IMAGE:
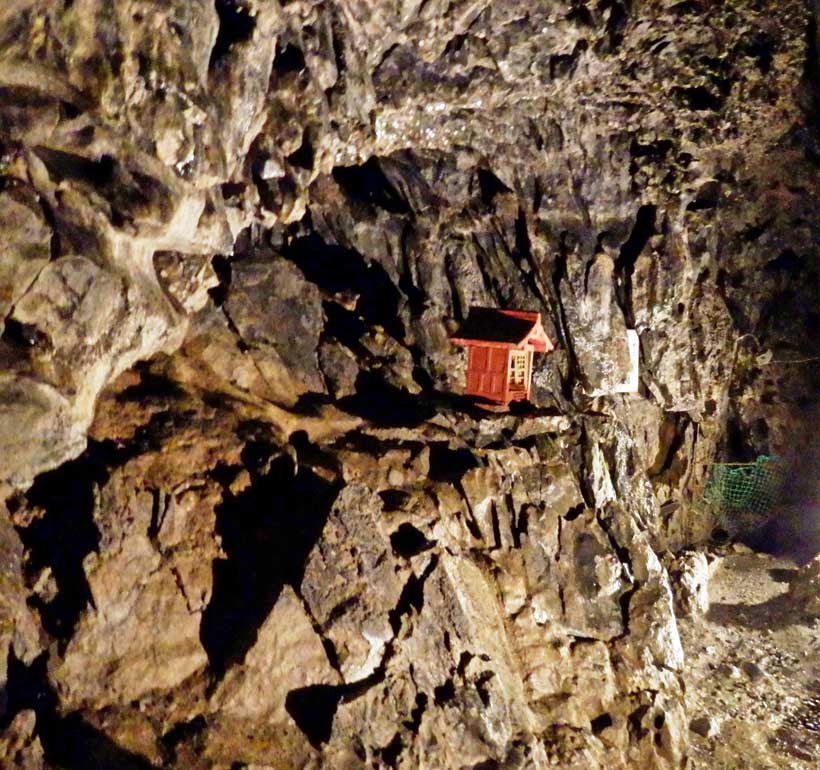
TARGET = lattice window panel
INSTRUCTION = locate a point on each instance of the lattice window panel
(518, 369)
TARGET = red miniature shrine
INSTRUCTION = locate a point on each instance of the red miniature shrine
(500, 345)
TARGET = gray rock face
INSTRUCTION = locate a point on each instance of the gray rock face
(283, 541)
(278, 314)
(690, 584)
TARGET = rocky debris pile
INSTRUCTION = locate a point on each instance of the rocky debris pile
(752, 668)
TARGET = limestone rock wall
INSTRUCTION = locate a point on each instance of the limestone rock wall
(248, 521)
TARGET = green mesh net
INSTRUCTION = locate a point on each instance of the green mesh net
(743, 495)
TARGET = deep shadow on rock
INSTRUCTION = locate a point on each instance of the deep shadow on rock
(267, 531)
(69, 741)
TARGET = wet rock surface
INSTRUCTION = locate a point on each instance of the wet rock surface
(248, 521)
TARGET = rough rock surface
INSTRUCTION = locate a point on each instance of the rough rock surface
(690, 574)
(805, 587)
(247, 520)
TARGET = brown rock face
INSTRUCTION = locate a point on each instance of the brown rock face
(246, 519)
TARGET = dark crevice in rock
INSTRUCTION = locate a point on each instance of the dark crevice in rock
(123, 191)
(289, 59)
(464, 661)
(580, 14)
(615, 25)
(487, 764)
(347, 328)
(635, 723)
(444, 693)
(410, 250)
(411, 598)
(455, 45)
(55, 243)
(600, 723)
(343, 271)
(786, 262)
(390, 754)
(521, 524)
(330, 650)
(236, 25)
(563, 65)
(27, 687)
(707, 197)
(338, 611)
(751, 233)
(232, 191)
(625, 557)
(574, 512)
(66, 533)
(740, 319)
(529, 270)
(157, 511)
(676, 425)
(384, 404)
(659, 721)
(584, 469)
(470, 522)
(759, 46)
(699, 98)
(688, 7)
(739, 443)
(21, 335)
(303, 157)
(369, 184)
(62, 165)
(481, 687)
(449, 465)
(313, 708)
(489, 185)
(337, 39)
(68, 740)
(186, 732)
(267, 532)
(152, 388)
(496, 527)
(407, 541)
(559, 274)
(653, 152)
(73, 744)
(361, 442)
(241, 344)
(416, 713)
(643, 229)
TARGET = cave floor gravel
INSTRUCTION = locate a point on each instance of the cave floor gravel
(753, 670)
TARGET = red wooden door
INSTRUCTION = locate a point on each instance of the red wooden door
(487, 372)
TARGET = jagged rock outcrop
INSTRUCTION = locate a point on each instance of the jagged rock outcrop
(282, 541)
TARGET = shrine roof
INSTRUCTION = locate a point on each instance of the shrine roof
(500, 328)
